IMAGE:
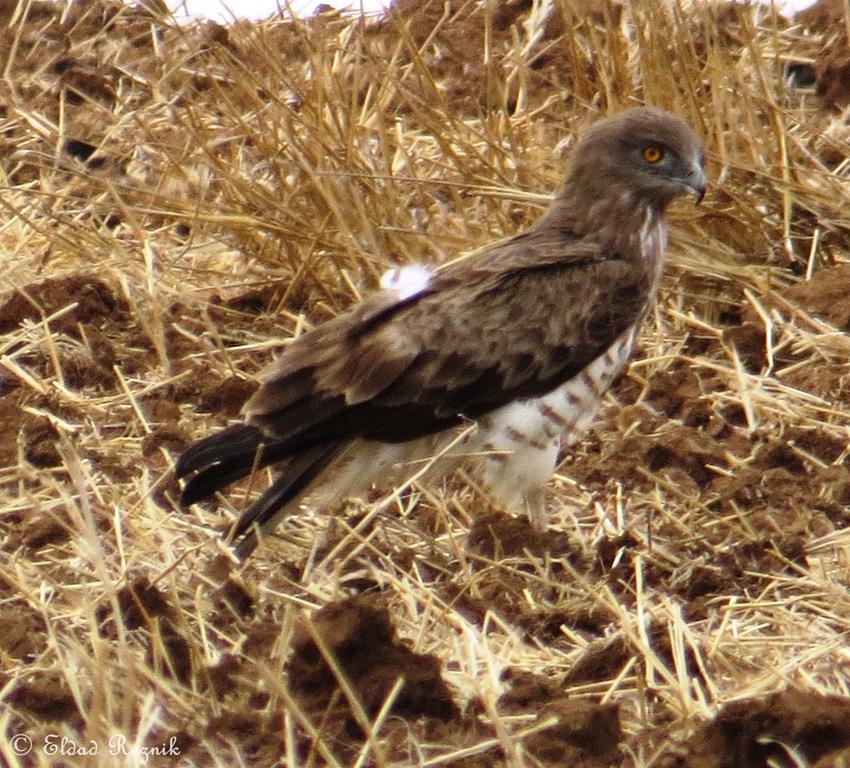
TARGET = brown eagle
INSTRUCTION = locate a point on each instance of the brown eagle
(519, 341)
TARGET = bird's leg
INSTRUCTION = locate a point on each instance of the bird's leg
(535, 508)
(517, 468)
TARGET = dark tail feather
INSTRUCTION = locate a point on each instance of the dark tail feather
(224, 458)
(213, 478)
(238, 439)
(264, 513)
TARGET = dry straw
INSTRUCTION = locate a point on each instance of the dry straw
(192, 197)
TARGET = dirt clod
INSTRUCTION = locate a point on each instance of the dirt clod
(755, 733)
(358, 638)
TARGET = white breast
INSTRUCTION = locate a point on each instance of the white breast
(522, 440)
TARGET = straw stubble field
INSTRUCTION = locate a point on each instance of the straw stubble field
(177, 202)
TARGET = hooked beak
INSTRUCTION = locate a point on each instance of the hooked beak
(698, 183)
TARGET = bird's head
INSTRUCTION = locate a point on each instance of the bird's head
(645, 151)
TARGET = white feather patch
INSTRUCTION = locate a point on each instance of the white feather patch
(406, 281)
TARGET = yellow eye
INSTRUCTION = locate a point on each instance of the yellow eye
(652, 154)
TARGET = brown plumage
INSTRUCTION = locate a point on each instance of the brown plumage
(523, 339)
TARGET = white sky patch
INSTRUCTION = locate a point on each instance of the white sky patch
(788, 7)
(406, 281)
(224, 11)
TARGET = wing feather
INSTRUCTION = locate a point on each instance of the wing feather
(398, 369)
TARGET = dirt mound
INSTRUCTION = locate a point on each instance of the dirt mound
(779, 730)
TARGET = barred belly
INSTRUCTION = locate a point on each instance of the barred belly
(521, 441)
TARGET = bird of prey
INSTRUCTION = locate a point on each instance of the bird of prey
(519, 342)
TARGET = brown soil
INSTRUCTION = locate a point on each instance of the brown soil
(777, 730)
(832, 62)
